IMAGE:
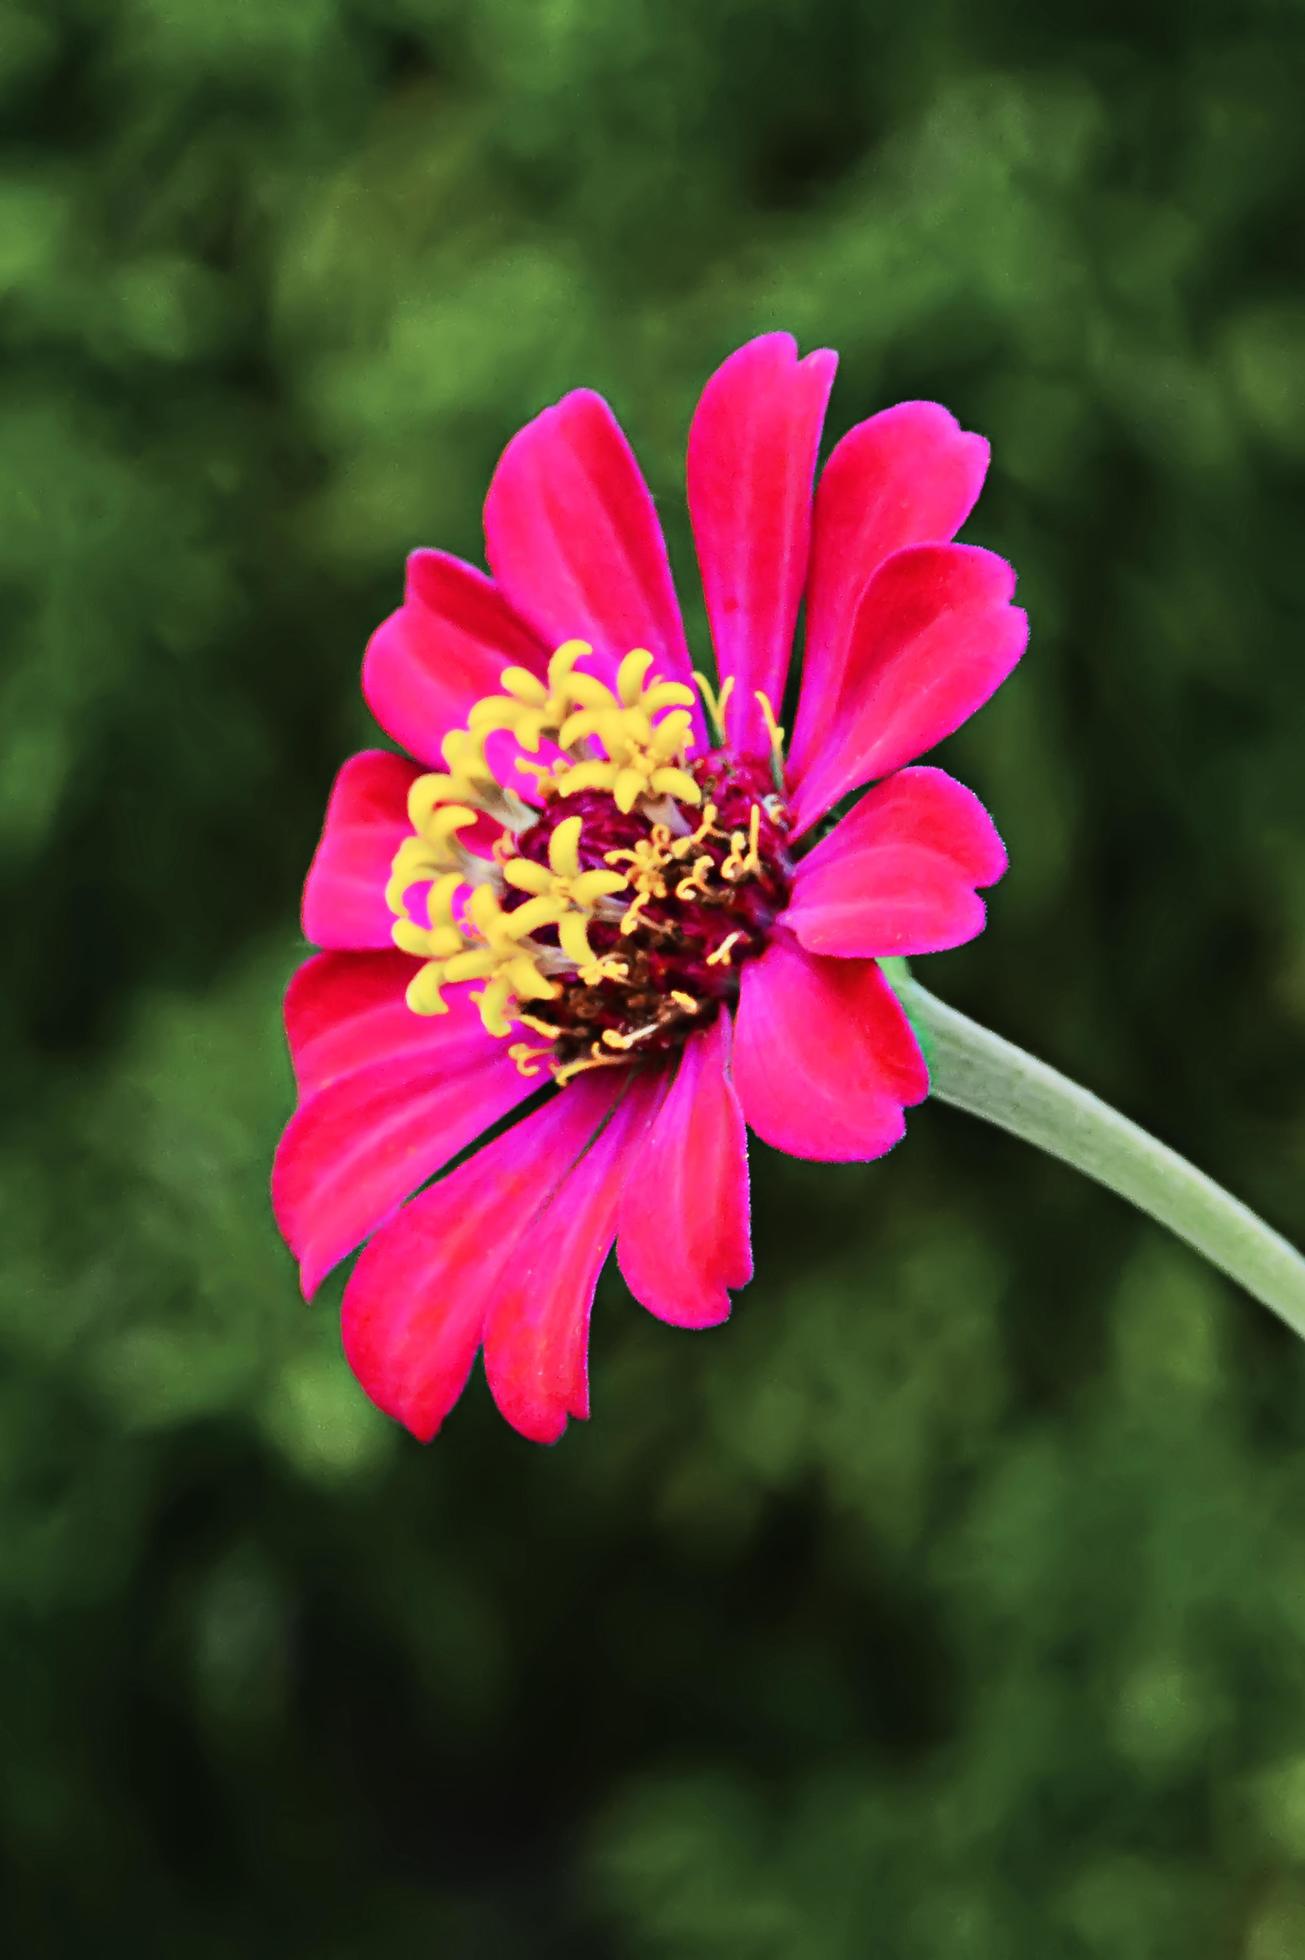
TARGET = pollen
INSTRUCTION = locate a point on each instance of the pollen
(594, 874)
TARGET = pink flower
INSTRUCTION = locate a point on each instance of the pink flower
(598, 871)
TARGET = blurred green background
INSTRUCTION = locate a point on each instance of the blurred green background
(950, 1603)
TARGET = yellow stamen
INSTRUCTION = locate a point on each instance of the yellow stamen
(536, 914)
(606, 968)
(414, 862)
(675, 782)
(631, 675)
(631, 919)
(573, 933)
(715, 703)
(595, 1059)
(536, 1026)
(585, 775)
(487, 944)
(564, 848)
(528, 687)
(587, 691)
(529, 1060)
(697, 880)
(411, 938)
(423, 991)
(745, 851)
(646, 859)
(707, 828)
(644, 759)
(776, 734)
(512, 924)
(626, 788)
(626, 1039)
(721, 956)
(493, 1002)
(561, 883)
(771, 720)
(524, 875)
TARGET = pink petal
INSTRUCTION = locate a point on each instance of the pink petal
(934, 637)
(537, 1337)
(752, 458)
(416, 1304)
(420, 1298)
(684, 1214)
(574, 541)
(824, 1057)
(429, 662)
(345, 1011)
(357, 1148)
(909, 475)
(366, 821)
(897, 874)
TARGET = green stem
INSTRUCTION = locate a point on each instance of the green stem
(978, 1071)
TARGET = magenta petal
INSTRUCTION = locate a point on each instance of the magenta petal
(824, 1057)
(366, 821)
(573, 538)
(752, 458)
(496, 1242)
(909, 475)
(346, 1011)
(898, 874)
(358, 1147)
(537, 1337)
(934, 637)
(684, 1236)
(445, 648)
(418, 1302)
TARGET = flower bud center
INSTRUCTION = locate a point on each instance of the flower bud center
(608, 915)
(704, 884)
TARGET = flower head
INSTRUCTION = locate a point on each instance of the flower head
(607, 877)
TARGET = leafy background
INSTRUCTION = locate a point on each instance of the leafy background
(950, 1603)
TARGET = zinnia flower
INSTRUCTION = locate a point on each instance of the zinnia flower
(605, 877)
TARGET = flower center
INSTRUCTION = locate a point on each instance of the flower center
(606, 909)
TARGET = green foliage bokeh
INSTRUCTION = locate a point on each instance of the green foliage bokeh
(950, 1603)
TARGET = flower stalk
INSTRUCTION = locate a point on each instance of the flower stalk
(978, 1071)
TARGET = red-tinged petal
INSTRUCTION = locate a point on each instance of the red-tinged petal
(432, 660)
(751, 463)
(824, 1058)
(366, 821)
(898, 874)
(346, 1011)
(934, 638)
(420, 1298)
(683, 1221)
(415, 1307)
(537, 1337)
(909, 475)
(573, 538)
(357, 1148)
